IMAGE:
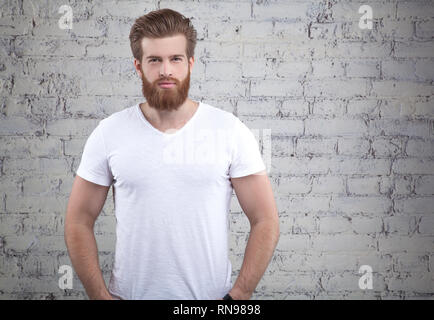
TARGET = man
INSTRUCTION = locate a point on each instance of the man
(174, 163)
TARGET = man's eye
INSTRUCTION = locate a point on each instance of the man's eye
(177, 58)
(153, 60)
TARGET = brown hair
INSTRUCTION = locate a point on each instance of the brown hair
(159, 24)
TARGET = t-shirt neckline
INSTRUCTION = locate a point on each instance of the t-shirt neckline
(148, 124)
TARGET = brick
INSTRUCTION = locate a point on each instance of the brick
(392, 88)
(363, 69)
(402, 185)
(424, 108)
(334, 225)
(220, 88)
(282, 147)
(255, 68)
(414, 50)
(389, 147)
(11, 224)
(291, 70)
(295, 107)
(415, 282)
(222, 50)
(76, 127)
(328, 107)
(303, 204)
(420, 205)
(424, 71)
(257, 30)
(335, 127)
(400, 29)
(419, 9)
(105, 225)
(54, 47)
(220, 70)
(275, 88)
(49, 224)
(30, 146)
(336, 88)
(15, 26)
(215, 11)
(330, 262)
(411, 262)
(293, 185)
(328, 185)
(132, 8)
(257, 107)
(399, 127)
(293, 31)
(325, 31)
(343, 243)
(288, 262)
(309, 146)
(34, 204)
(413, 166)
(352, 49)
(349, 281)
(363, 186)
(276, 10)
(349, 11)
(419, 148)
(108, 48)
(352, 146)
(288, 51)
(9, 266)
(293, 243)
(366, 225)
(415, 244)
(364, 106)
(424, 185)
(353, 205)
(399, 225)
(398, 69)
(426, 225)
(80, 28)
(424, 29)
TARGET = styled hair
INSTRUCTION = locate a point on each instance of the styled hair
(159, 24)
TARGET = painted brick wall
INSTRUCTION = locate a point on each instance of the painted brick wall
(344, 117)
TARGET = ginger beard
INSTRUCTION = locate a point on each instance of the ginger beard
(166, 98)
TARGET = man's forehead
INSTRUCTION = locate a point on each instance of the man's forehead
(167, 46)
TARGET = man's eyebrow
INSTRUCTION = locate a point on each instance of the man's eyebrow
(175, 55)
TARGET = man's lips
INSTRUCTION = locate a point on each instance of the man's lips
(166, 84)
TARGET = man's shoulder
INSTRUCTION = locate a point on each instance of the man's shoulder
(218, 114)
(119, 118)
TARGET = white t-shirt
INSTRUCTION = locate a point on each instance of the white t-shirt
(172, 196)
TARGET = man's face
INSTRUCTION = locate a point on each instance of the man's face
(165, 72)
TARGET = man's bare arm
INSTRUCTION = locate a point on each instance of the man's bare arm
(256, 198)
(84, 206)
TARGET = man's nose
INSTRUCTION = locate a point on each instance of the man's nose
(165, 69)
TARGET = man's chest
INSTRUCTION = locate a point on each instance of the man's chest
(199, 161)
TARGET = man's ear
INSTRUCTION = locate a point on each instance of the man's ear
(137, 66)
(191, 63)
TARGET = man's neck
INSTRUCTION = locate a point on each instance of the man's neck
(164, 119)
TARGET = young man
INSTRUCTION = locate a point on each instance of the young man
(174, 163)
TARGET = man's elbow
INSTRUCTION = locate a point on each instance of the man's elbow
(271, 225)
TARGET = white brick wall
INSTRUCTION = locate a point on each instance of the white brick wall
(350, 110)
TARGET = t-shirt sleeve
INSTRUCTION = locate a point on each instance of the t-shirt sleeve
(94, 165)
(246, 157)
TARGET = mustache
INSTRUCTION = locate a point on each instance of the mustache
(166, 80)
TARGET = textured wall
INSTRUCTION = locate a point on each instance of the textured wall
(350, 110)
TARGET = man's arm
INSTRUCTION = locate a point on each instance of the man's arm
(84, 206)
(256, 198)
